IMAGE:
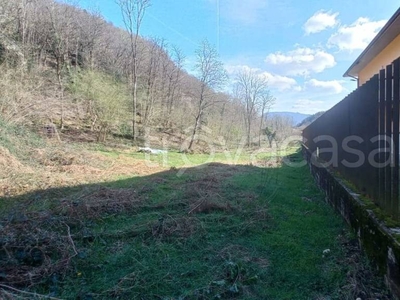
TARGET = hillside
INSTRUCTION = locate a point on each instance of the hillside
(71, 69)
(307, 121)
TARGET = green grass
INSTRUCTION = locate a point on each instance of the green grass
(215, 232)
(176, 159)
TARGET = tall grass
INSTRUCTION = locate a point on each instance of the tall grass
(19, 140)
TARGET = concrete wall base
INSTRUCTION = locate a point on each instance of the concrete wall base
(377, 240)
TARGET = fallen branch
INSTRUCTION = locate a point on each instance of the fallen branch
(27, 293)
(71, 240)
(197, 206)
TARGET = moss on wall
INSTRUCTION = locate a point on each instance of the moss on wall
(371, 225)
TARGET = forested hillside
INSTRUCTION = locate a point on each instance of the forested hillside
(310, 119)
(69, 67)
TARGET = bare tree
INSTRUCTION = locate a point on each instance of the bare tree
(47, 37)
(90, 27)
(267, 100)
(212, 75)
(158, 89)
(278, 128)
(270, 135)
(8, 17)
(250, 89)
(133, 12)
(174, 79)
(60, 18)
(155, 55)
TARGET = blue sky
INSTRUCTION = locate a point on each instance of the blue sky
(303, 47)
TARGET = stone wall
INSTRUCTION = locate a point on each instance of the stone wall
(377, 240)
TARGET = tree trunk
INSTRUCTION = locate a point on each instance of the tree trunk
(60, 85)
(134, 111)
(248, 132)
(261, 125)
(194, 131)
(76, 55)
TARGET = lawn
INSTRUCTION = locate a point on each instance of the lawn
(214, 231)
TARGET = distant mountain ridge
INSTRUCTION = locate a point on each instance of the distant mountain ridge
(296, 117)
(309, 120)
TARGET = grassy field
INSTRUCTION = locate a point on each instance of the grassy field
(255, 230)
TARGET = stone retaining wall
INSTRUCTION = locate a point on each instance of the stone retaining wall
(377, 240)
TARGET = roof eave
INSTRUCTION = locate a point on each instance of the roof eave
(350, 72)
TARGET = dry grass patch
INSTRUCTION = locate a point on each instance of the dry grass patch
(177, 227)
(59, 168)
(100, 202)
(9, 163)
(203, 192)
(209, 206)
(34, 247)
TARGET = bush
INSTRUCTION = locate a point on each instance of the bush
(19, 140)
(106, 100)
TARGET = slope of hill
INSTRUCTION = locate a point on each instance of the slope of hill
(307, 121)
(296, 117)
(67, 64)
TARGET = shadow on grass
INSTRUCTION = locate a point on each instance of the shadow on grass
(216, 232)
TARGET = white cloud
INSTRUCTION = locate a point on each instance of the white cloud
(281, 83)
(356, 36)
(275, 82)
(320, 21)
(331, 87)
(301, 61)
